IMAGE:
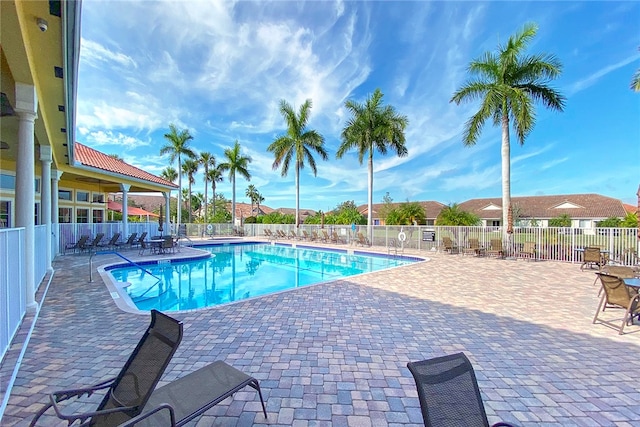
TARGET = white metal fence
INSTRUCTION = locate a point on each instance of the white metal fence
(557, 244)
(551, 243)
(13, 299)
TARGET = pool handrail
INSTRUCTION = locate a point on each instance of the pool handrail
(121, 256)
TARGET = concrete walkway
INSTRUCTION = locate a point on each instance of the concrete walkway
(335, 354)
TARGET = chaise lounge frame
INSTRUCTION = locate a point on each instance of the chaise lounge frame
(132, 399)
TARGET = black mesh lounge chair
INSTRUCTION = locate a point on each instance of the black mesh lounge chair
(126, 394)
(130, 241)
(449, 393)
(617, 295)
(95, 244)
(112, 242)
(131, 398)
(139, 240)
(79, 245)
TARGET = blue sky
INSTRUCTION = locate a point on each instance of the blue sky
(220, 68)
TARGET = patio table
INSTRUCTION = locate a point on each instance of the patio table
(156, 245)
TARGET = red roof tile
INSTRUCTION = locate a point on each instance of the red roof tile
(94, 158)
(589, 206)
(431, 208)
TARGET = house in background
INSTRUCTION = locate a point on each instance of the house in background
(585, 210)
(432, 210)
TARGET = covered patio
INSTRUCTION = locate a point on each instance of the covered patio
(335, 354)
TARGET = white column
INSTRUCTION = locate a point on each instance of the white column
(45, 197)
(167, 217)
(55, 227)
(26, 109)
(125, 209)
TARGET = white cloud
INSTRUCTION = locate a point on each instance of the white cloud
(593, 78)
(96, 55)
(101, 138)
(552, 163)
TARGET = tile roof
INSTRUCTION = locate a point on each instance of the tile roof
(147, 202)
(94, 158)
(244, 209)
(588, 206)
(292, 211)
(431, 208)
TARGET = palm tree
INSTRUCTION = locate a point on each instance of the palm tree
(635, 81)
(251, 193)
(169, 174)
(507, 82)
(189, 168)
(235, 163)
(178, 146)
(373, 127)
(206, 160)
(214, 176)
(299, 143)
(259, 200)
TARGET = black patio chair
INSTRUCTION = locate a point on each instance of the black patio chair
(112, 242)
(80, 245)
(95, 244)
(448, 392)
(139, 240)
(131, 398)
(129, 242)
(127, 394)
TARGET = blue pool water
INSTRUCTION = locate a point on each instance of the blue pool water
(240, 271)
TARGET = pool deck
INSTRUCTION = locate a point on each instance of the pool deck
(335, 354)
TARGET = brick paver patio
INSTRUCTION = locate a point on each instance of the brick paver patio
(335, 354)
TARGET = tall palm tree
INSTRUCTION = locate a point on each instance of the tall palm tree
(189, 168)
(371, 127)
(206, 159)
(169, 174)
(251, 193)
(298, 143)
(259, 200)
(635, 80)
(235, 163)
(214, 176)
(507, 82)
(177, 147)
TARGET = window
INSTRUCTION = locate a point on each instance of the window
(98, 198)
(7, 182)
(82, 196)
(82, 215)
(64, 215)
(430, 222)
(98, 215)
(37, 211)
(584, 223)
(495, 223)
(64, 194)
(5, 214)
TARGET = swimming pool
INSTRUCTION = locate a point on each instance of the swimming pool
(240, 271)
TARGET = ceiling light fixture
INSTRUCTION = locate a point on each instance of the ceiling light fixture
(4, 145)
(42, 24)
